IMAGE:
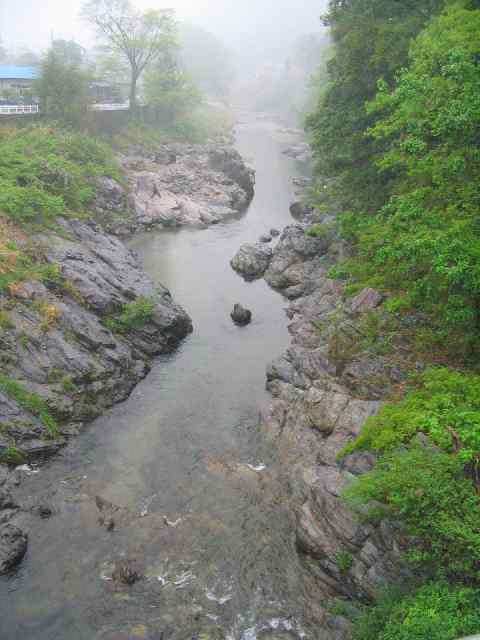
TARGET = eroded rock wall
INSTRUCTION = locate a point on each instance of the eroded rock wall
(324, 387)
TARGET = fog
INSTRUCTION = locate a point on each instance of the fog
(251, 28)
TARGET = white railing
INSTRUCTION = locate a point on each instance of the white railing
(16, 109)
(124, 106)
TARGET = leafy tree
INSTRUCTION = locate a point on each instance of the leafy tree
(63, 86)
(425, 241)
(170, 90)
(139, 37)
(372, 39)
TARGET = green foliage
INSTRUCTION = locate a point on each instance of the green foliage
(63, 86)
(29, 401)
(444, 404)
(12, 455)
(427, 492)
(437, 611)
(424, 240)
(195, 127)
(317, 231)
(46, 172)
(5, 321)
(137, 37)
(134, 316)
(344, 561)
(371, 39)
(170, 91)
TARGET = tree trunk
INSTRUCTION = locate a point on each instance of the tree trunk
(133, 93)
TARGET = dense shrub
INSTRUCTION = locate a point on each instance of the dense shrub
(47, 171)
(436, 611)
(444, 404)
(426, 491)
(425, 240)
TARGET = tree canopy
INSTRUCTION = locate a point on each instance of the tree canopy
(139, 37)
(63, 86)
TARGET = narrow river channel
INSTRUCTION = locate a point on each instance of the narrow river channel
(202, 513)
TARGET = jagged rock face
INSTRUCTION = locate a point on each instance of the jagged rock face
(199, 185)
(317, 409)
(252, 260)
(76, 363)
(13, 546)
(295, 258)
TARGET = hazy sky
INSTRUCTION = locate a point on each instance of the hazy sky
(242, 24)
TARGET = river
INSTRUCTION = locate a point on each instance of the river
(203, 514)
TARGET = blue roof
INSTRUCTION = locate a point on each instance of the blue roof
(17, 72)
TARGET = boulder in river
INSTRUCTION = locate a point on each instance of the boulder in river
(13, 545)
(300, 210)
(274, 233)
(240, 315)
(252, 260)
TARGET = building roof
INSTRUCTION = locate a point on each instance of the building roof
(18, 72)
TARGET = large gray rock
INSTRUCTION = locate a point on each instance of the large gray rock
(204, 185)
(13, 546)
(294, 259)
(301, 211)
(240, 315)
(252, 260)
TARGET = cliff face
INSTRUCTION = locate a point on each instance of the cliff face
(325, 386)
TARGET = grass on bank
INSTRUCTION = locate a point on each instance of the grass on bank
(31, 402)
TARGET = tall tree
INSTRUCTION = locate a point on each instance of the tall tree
(139, 37)
(63, 86)
(371, 39)
(170, 90)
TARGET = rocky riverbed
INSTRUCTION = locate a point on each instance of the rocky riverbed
(77, 341)
(324, 387)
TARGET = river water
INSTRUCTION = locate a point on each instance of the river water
(202, 513)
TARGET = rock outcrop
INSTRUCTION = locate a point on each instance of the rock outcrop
(252, 260)
(184, 185)
(64, 342)
(317, 409)
(294, 261)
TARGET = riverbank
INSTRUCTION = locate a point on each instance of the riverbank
(330, 380)
(80, 329)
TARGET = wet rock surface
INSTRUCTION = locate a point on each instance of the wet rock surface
(252, 260)
(13, 546)
(240, 315)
